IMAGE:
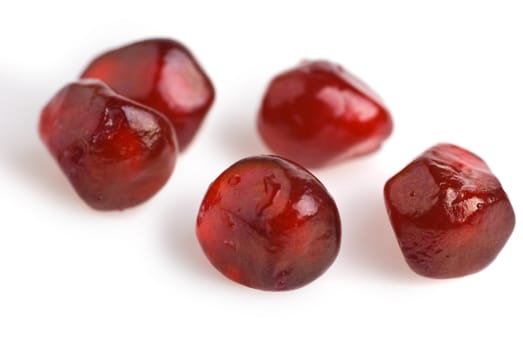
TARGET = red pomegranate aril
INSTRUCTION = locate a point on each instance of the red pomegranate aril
(318, 113)
(269, 224)
(115, 152)
(449, 212)
(161, 74)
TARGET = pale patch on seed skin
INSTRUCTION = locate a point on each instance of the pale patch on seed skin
(306, 206)
(348, 104)
(181, 83)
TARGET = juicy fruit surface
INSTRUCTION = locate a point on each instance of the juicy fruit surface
(449, 212)
(318, 113)
(269, 224)
(116, 153)
(161, 74)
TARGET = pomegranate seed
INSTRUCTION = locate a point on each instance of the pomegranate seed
(163, 75)
(449, 212)
(318, 113)
(268, 223)
(116, 153)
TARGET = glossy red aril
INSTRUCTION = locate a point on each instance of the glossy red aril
(269, 224)
(318, 113)
(161, 74)
(116, 153)
(449, 212)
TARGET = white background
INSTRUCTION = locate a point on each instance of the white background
(75, 278)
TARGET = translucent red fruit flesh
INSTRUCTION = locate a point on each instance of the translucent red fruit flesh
(161, 74)
(269, 224)
(318, 113)
(449, 212)
(115, 152)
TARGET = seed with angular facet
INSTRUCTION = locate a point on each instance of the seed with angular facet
(449, 212)
(161, 74)
(115, 152)
(318, 113)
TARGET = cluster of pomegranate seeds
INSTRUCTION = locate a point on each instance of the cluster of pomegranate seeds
(118, 148)
(449, 212)
(115, 152)
(161, 74)
(318, 113)
(268, 223)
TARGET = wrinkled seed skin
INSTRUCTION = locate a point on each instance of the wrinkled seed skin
(161, 74)
(269, 224)
(450, 214)
(318, 114)
(116, 153)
